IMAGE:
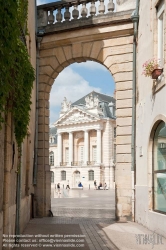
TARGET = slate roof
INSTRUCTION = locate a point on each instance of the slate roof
(104, 101)
(53, 130)
(53, 133)
(102, 98)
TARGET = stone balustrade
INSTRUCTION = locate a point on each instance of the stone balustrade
(77, 163)
(62, 164)
(91, 163)
(71, 10)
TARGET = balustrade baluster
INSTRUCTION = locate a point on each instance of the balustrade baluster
(101, 8)
(59, 15)
(51, 17)
(84, 10)
(111, 6)
(75, 12)
(67, 14)
(93, 8)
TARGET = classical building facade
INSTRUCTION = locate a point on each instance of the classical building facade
(85, 137)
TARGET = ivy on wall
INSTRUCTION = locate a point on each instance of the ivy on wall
(16, 72)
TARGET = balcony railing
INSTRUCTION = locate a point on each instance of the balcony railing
(62, 164)
(91, 163)
(70, 10)
(77, 163)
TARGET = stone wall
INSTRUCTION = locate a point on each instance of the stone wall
(110, 45)
(151, 108)
(9, 156)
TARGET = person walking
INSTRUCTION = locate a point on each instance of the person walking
(59, 189)
(105, 186)
(95, 184)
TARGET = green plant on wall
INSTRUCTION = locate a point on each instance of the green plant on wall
(16, 72)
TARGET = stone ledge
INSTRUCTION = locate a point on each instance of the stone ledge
(99, 20)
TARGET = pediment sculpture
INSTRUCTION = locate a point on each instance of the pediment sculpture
(92, 101)
(65, 105)
(77, 117)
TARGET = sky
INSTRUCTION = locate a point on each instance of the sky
(76, 81)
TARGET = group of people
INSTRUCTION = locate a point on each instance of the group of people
(59, 188)
(80, 185)
(100, 185)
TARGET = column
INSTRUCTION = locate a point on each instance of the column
(99, 146)
(70, 148)
(86, 146)
(59, 148)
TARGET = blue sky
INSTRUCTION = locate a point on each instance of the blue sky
(78, 80)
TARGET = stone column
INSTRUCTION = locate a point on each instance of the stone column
(70, 148)
(59, 148)
(86, 146)
(99, 146)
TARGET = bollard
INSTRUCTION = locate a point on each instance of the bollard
(63, 186)
(89, 186)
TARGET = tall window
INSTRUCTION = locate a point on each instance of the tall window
(91, 175)
(159, 168)
(63, 175)
(160, 16)
(114, 153)
(51, 158)
(114, 132)
(67, 155)
(94, 153)
(81, 153)
(52, 177)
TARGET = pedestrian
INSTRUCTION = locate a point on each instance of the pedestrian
(100, 185)
(95, 184)
(105, 186)
(59, 189)
(67, 186)
(80, 184)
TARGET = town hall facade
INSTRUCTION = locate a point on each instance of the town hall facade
(82, 143)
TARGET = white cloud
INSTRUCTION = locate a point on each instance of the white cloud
(90, 65)
(39, 2)
(68, 84)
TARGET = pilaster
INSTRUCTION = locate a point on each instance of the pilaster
(98, 146)
(59, 145)
(70, 148)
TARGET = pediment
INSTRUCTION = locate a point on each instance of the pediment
(76, 115)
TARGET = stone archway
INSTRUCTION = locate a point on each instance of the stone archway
(111, 46)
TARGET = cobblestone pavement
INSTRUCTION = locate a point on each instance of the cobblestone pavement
(81, 213)
(91, 209)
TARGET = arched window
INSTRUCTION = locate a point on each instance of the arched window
(91, 175)
(51, 158)
(63, 175)
(159, 168)
(52, 177)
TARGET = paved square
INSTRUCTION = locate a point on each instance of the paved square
(79, 216)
